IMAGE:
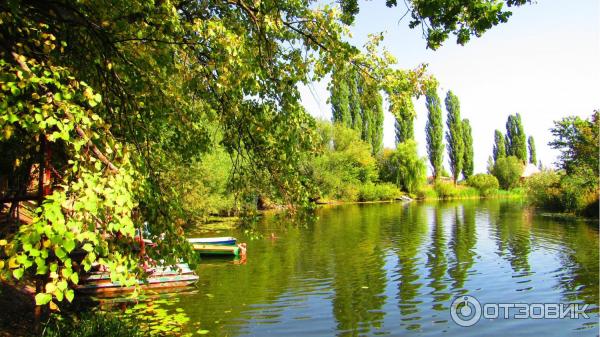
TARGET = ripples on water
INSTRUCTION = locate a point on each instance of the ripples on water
(393, 269)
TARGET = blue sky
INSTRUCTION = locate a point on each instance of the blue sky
(543, 63)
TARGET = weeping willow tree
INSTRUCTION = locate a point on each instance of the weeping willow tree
(404, 167)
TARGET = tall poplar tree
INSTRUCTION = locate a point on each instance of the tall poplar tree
(499, 145)
(367, 94)
(372, 113)
(434, 131)
(405, 126)
(532, 154)
(357, 103)
(516, 141)
(377, 124)
(454, 136)
(490, 165)
(340, 93)
(354, 101)
(467, 170)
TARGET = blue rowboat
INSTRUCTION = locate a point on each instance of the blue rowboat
(221, 241)
(216, 249)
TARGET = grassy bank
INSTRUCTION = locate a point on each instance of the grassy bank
(447, 191)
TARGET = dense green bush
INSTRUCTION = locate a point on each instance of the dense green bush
(204, 186)
(577, 194)
(562, 192)
(345, 163)
(382, 191)
(517, 192)
(427, 192)
(544, 189)
(346, 192)
(575, 189)
(486, 184)
(445, 190)
(508, 170)
(467, 192)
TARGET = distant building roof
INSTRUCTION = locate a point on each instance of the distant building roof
(530, 170)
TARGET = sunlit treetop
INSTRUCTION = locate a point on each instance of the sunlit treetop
(439, 18)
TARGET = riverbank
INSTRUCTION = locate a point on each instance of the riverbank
(428, 193)
(464, 192)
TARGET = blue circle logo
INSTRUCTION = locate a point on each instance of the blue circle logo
(465, 310)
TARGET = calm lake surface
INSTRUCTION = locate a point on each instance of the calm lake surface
(394, 269)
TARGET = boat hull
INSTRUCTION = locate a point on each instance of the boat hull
(216, 249)
(224, 241)
(181, 276)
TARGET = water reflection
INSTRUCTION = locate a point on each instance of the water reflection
(359, 277)
(512, 234)
(578, 275)
(409, 232)
(393, 269)
(437, 263)
(462, 243)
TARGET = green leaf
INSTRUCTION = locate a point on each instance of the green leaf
(202, 332)
(22, 259)
(60, 253)
(69, 245)
(18, 273)
(70, 294)
(75, 278)
(59, 294)
(66, 272)
(62, 285)
(42, 298)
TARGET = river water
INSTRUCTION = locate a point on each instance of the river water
(394, 269)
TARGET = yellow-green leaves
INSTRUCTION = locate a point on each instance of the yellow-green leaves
(42, 298)
(91, 207)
